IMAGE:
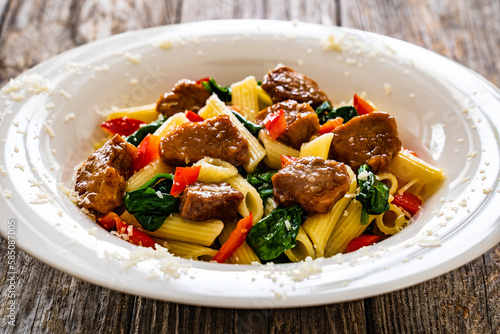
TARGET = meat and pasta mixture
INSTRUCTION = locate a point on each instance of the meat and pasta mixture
(252, 172)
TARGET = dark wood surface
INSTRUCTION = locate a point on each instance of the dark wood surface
(466, 300)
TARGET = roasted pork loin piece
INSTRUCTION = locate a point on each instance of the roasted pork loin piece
(100, 181)
(282, 83)
(301, 122)
(186, 95)
(312, 182)
(215, 137)
(369, 139)
(204, 201)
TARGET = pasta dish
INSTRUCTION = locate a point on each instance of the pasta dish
(253, 172)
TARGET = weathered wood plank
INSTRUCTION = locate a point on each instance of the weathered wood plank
(492, 283)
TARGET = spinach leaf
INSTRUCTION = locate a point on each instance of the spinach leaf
(224, 93)
(261, 181)
(253, 128)
(277, 232)
(326, 112)
(152, 203)
(373, 194)
(136, 138)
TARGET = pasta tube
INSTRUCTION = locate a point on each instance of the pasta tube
(189, 251)
(171, 123)
(252, 201)
(274, 150)
(318, 147)
(149, 171)
(392, 221)
(215, 170)
(146, 113)
(303, 249)
(244, 95)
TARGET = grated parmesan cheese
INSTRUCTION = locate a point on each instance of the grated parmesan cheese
(3, 171)
(7, 193)
(332, 43)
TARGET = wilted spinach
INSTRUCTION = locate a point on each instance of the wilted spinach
(224, 93)
(326, 112)
(373, 194)
(262, 182)
(277, 232)
(253, 128)
(152, 203)
(136, 138)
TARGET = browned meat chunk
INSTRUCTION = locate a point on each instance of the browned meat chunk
(301, 122)
(369, 139)
(204, 201)
(186, 95)
(215, 137)
(282, 83)
(100, 181)
(312, 182)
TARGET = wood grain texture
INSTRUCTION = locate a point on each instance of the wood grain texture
(466, 300)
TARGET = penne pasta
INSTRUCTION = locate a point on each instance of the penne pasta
(252, 201)
(146, 113)
(149, 171)
(303, 249)
(215, 170)
(171, 123)
(188, 251)
(392, 221)
(318, 147)
(245, 96)
(274, 150)
(180, 229)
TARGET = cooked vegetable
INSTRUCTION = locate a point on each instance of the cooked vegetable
(183, 177)
(146, 152)
(407, 202)
(362, 106)
(152, 203)
(235, 240)
(277, 232)
(326, 112)
(123, 126)
(330, 125)
(362, 241)
(275, 124)
(193, 117)
(224, 93)
(287, 159)
(253, 128)
(112, 220)
(137, 137)
(373, 194)
(261, 181)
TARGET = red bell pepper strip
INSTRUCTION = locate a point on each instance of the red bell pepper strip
(407, 202)
(202, 80)
(362, 241)
(183, 177)
(193, 117)
(286, 160)
(147, 151)
(275, 124)
(362, 107)
(135, 236)
(235, 239)
(108, 221)
(330, 125)
(124, 126)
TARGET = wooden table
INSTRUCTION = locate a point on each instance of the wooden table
(466, 300)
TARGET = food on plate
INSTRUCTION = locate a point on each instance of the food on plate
(254, 172)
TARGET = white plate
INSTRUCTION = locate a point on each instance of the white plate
(445, 112)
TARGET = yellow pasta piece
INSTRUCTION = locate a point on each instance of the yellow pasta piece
(171, 123)
(318, 147)
(146, 113)
(180, 229)
(392, 221)
(243, 254)
(215, 107)
(303, 249)
(189, 251)
(264, 98)
(215, 170)
(274, 150)
(319, 227)
(244, 95)
(252, 201)
(408, 167)
(348, 228)
(392, 180)
(144, 175)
